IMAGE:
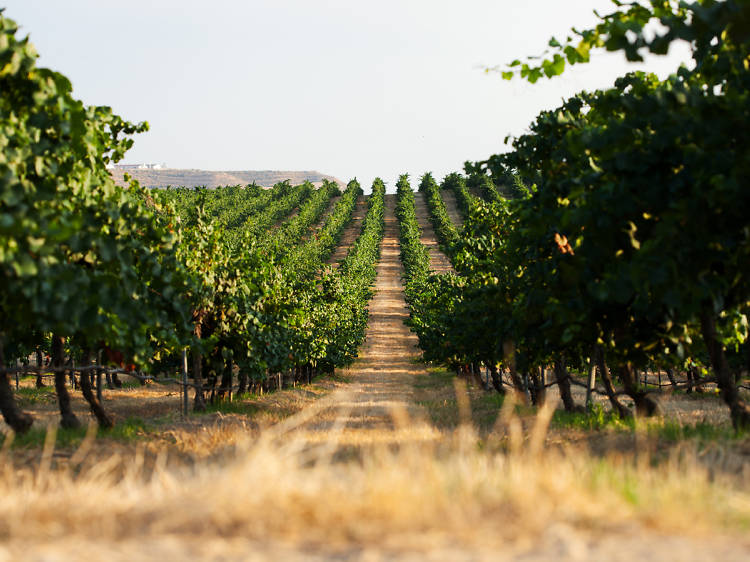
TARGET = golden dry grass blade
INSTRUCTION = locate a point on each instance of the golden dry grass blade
(49, 447)
(297, 420)
(462, 401)
(541, 425)
(85, 446)
(10, 436)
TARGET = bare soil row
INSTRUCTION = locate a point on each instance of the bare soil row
(350, 234)
(439, 262)
(449, 198)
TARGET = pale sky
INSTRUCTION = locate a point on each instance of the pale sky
(345, 87)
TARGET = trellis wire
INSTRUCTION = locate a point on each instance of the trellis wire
(184, 384)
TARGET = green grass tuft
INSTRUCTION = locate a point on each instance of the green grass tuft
(594, 419)
(597, 419)
(32, 395)
(671, 430)
(125, 430)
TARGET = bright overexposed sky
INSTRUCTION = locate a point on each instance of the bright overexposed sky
(345, 87)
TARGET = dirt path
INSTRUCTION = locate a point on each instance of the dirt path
(350, 234)
(438, 260)
(382, 379)
(449, 198)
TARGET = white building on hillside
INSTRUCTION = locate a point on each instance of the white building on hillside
(112, 166)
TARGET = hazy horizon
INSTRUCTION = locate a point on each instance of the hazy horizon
(326, 86)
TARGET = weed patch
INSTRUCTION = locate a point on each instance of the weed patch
(671, 430)
(597, 419)
(594, 419)
(123, 431)
(32, 395)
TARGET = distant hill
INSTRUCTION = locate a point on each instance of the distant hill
(191, 178)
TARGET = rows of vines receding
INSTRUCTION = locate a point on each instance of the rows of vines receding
(235, 275)
(611, 240)
(624, 243)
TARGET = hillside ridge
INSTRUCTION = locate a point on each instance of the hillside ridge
(178, 177)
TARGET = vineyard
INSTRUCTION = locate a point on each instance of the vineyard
(542, 355)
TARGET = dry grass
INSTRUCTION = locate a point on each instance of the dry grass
(147, 417)
(407, 494)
